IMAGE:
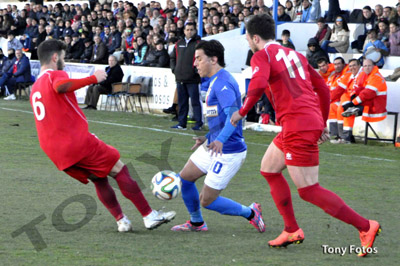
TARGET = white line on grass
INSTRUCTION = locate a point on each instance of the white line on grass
(191, 135)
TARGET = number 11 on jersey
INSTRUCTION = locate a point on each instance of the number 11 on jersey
(292, 56)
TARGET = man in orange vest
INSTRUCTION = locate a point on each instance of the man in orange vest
(372, 95)
(349, 82)
(335, 128)
(325, 69)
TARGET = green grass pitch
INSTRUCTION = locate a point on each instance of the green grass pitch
(71, 226)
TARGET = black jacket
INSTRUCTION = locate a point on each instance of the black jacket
(182, 59)
(114, 74)
(313, 57)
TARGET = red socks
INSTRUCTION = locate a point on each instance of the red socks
(333, 205)
(130, 189)
(107, 196)
(280, 192)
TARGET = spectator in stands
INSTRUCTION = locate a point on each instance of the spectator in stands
(383, 31)
(286, 42)
(77, 48)
(375, 45)
(387, 10)
(41, 37)
(372, 95)
(68, 54)
(67, 30)
(114, 74)
(325, 69)
(297, 11)
(20, 23)
(378, 12)
(289, 9)
(100, 52)
(369, 22)
(324, 31)
(140, 48)
(161, 56)
(6, 26)
(311, 11)
(30, 29)
(394, 39)
(282, 16)
(115, 40)
(339, 41)
(314, 52)
(207, 30)
(88, 51)
(12, 41)
(59, 29)
(127, 45)
(49, 32)
(19, 72)
(186, 77)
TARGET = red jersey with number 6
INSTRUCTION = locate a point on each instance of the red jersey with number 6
(298, 93)
(62, 127)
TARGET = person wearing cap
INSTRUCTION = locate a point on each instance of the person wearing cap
(375, 45)
(88, 50)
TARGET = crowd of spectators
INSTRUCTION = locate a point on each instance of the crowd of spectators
(133, 33)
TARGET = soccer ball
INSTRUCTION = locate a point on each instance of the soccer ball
(166, 185)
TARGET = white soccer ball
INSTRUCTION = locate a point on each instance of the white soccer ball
(166, 185)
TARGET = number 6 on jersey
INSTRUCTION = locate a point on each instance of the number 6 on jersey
(38, 107)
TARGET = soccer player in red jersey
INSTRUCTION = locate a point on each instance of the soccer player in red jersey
(301, 101)
(64, 136)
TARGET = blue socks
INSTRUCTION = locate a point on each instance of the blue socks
(229, 207)
(190, 196)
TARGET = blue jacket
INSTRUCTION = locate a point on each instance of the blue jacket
(23, 73)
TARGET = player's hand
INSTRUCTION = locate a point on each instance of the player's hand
(324, 137)
(215, 147)
(235, 118)
(199, 141)
(101, 75)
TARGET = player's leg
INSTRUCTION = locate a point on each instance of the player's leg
(190, 195)
(303, 170)
(220, 172)
(104, 192)
(131, 190)
(272, 165)
(333, 123)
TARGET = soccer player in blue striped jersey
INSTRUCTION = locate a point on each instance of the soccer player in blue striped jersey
(219, 154)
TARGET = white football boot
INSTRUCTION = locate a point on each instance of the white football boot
(124, 225)
(156, 218)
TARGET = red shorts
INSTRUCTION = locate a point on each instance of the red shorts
(299, 147)
(99, 162)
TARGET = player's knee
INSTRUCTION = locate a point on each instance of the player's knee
(205, 201)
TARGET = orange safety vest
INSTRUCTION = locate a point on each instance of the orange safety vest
(373, 96)
(328, 73)
(333, 83)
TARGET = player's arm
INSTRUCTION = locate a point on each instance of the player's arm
(226, 132)
(257, 86)
(69, 85)
(322, 91)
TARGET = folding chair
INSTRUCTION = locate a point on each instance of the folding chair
(119, 89)
(25, 86)
(146, 90)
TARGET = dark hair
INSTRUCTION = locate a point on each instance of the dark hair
(213, 48)
(190, 24)
(321, 60)
(286, 32)
(355, 60)
(368, 8)
(341, 59)
(321, 20)
(47, 48)
(262, 25)
(345, 27)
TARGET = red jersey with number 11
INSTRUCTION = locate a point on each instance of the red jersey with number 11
(291, 85)
(61, 125)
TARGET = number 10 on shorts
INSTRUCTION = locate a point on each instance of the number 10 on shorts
(216, 168)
